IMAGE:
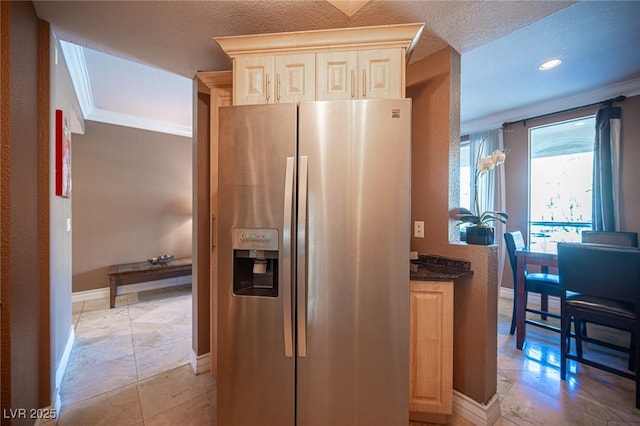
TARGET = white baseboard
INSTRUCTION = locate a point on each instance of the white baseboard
(200, 363)
(64, 359)
(83, 296)
(554, 302)
(475, 412)
(53, 412)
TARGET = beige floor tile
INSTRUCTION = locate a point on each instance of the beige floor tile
(101, 348)
(154, 335)
(170, 389)
(198, 411)
(156, 360)
(161, 312)
(101, 323)
(119, 407)
(87, 378)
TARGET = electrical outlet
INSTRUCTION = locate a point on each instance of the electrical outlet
(418, 229)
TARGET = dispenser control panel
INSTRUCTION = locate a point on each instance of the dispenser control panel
(255, 238)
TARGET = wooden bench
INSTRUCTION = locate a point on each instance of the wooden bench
(130, 273)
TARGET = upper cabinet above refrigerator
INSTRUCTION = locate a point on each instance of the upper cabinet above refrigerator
(335, 64)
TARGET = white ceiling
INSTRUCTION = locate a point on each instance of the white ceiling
(138, 58)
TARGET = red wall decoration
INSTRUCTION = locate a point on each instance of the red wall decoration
(63, 156)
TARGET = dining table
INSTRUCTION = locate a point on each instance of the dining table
(544, 255)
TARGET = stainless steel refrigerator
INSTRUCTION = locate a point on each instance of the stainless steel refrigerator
(313, 279)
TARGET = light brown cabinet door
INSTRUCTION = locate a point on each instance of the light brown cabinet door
(336, 75)
(268, 79)
(366, 74)
(431, 348)
(295, 78)
(380, 74)
(253, 80)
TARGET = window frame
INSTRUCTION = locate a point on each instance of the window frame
(579, 225)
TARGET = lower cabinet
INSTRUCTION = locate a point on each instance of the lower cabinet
(431, 351)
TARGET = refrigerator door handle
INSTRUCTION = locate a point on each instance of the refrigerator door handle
(287, 257)
(302, 257)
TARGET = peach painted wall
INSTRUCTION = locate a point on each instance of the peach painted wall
(434, 85)
(132, 199)
(516, 140)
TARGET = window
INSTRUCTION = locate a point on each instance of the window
(560, 181)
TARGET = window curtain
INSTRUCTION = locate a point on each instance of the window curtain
(491, 186)
(606, 170)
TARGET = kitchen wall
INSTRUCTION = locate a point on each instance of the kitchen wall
(131, 199)
(516, 139)
(62, 96)
(21, 251)
(36, 244)
(434, 85)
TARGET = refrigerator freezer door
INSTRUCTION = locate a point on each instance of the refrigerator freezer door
(356, 368)
(255, 375)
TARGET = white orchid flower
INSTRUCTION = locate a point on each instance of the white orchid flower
(498, 157)
(485, 164)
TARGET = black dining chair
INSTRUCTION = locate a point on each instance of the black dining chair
(625, 239)
(599, 285)
(615, 238)
(543, 283)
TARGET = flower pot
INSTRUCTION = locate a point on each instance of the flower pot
(480, 235)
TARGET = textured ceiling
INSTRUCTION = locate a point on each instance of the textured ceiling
(501, 43)
(177, 35)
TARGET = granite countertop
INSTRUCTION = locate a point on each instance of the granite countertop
(438, 268)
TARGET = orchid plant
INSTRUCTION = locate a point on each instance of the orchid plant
(483, 166)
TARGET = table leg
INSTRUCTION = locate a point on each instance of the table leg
(521, 302)
(112, 292)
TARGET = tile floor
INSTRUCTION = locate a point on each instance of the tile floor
(129, 366)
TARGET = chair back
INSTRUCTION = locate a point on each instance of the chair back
(514, 241)
(626, 239)
(600, 270)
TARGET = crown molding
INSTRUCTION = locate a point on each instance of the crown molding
(128, 120)
(395, 35)
(76, 63)
(495, 121)
(77, 66)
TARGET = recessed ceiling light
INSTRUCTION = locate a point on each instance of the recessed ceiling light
(549, 64)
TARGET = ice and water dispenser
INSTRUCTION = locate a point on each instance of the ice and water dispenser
(255, 262)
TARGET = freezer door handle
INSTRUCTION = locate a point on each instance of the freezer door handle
(302, 257)
(286, 258)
